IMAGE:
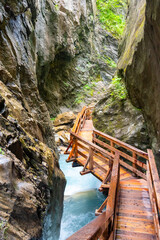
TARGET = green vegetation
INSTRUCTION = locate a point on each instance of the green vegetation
(1, 151)
(56, 7)
(118, 90)
(52, 119)
(111, 17)
(111, 63)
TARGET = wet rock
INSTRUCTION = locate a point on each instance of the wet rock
(139, 63)
(26, 182)
(74, 57)
(62, 128)
(62, 125)
(66, 118)
(62, 138)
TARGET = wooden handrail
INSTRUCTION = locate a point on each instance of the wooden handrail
(122, 144)
(112, 197)
(92, 230)
(155, 176)
(92, 145)
(154, 190)
(80, 117)
(138, 167)
(79, 123)
(132, 159)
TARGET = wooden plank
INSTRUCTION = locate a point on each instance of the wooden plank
(99, 166)
(83, 146)
(122, 144)
(155, 176)
(82, 154)
(66, 151)
(134, 235)
(100, 157)
(113, 184)
(132, 159)
(138, 227)
(136, 215)
(133, 169)
(112, 196)
(85, 172)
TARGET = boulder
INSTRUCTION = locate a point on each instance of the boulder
(66, 118)
(62, 138)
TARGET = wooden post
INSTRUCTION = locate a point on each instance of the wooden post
(134, 155)
(93, 135)
(75, 148)
(112, 145)
(90, 158)
(110, 162)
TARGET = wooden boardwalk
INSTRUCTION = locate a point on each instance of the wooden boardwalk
(131, 210)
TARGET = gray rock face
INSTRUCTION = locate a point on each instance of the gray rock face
(69, 52)
(140, 65)
(29, 170)
(30, 179)
(121, 120)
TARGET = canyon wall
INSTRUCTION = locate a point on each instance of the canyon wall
(139, 63)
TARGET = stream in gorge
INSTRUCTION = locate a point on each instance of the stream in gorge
(81, 199)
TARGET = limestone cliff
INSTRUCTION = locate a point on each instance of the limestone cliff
(139, 63)
(30, 177)
(71, 54)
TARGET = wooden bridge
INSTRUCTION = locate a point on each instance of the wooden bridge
(131, 210)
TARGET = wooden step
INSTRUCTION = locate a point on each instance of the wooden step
(128, 235)
(137, 227)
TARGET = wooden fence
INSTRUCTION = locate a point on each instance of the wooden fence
(114, 153)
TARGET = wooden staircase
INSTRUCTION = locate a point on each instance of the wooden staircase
(131, 210)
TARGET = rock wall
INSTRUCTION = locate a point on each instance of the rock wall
(71, 53)
(30, 177)
(139, 63)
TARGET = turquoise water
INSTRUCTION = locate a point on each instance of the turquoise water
(80, 200)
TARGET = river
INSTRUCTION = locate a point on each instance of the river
(81, 198)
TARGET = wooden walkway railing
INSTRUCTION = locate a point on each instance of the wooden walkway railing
(103, 226)
(103, 157)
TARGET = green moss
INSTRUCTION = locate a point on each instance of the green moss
(52, 119)
(111, 17)
(111, 63)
